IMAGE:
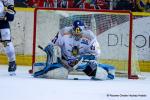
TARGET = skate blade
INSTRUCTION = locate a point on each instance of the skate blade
(12, 73)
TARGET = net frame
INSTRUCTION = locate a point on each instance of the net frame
(129, 73)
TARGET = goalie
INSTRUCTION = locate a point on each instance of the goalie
(7, 14)
(73, 48)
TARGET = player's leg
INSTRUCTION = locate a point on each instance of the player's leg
(53, 71)
(53, 67)
(110, 70)
(97, 73)
(9, 49)
(58, 73)
(40, 69)
(52, 57)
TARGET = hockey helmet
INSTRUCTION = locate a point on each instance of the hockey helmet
(78, 26)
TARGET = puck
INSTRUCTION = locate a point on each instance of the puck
(75, 78)
(30, 71)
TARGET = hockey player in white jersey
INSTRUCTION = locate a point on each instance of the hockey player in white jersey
(80, 51)
(7, 14)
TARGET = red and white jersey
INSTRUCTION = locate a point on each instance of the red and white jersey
(101, 4)
(72, 48)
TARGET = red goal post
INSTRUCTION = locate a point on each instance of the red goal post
(97, 21)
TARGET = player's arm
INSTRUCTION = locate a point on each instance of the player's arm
(58, 38)
(9, 11)
(1, 7)
(8, 2)
(1, 10)
(94, 48)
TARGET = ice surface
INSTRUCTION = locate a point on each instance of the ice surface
(24, 87)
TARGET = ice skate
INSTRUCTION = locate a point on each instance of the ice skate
(12, 68)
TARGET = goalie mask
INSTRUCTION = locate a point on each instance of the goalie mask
(78, 26)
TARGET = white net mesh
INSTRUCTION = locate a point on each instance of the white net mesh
(112, 30)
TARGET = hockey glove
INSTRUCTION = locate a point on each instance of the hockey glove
(10, 13)
(72, 62)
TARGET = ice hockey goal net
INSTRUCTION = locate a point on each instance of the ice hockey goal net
(113, 30)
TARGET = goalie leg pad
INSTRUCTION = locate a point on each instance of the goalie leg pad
(38, 66)
(38, 70)
(100, 74)
(110, 70)
(58, 73)
(56, 54)
(41, 68)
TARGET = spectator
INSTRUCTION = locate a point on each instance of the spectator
(78, 3)
(125, 5)
(148, 5)
(101, 4)
(141, 5)
(20, 3)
